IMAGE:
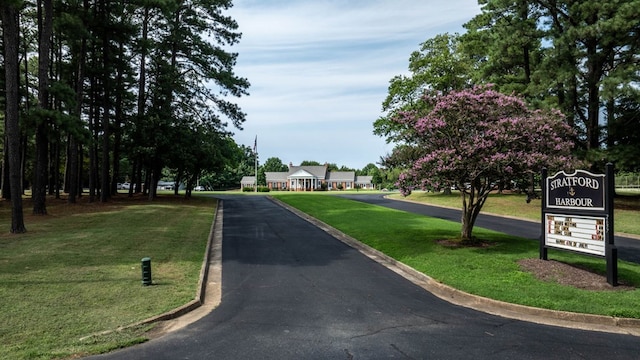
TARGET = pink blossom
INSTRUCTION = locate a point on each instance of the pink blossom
(479, 133)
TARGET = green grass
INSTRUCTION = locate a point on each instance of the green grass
(627, 208)
(76, 273)
(490, 271)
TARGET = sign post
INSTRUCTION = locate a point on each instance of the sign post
(577, 216)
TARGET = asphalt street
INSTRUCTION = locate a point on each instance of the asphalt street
(628, 248)
(292, 291)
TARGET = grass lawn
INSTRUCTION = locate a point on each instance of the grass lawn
(490, 271)
(75, 275)
(76, 272)
(626, 207)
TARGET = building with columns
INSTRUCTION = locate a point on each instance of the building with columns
(311, 178)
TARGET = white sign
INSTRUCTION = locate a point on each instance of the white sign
(577, 233)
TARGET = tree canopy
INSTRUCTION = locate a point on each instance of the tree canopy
(112, 91)
(580, 57)
(437, 66)
(477, 138)
(274, 164)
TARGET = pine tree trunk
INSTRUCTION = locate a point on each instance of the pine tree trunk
(93, 151)
(39, 190)
(119, 117)
(6, 188)
(105, 190)
(72, 170)
(72, 160)
(54, 163)
(11, 37)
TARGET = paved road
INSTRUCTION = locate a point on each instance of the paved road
(291, 291)
(628, 248)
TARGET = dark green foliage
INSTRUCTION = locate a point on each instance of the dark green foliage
(577, 56)
(261, 189)
(274, 164)
(78, 98)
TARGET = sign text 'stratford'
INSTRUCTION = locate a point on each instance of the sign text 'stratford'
(575, 181)
(581, 190)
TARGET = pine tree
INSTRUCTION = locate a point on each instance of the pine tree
(10, 27)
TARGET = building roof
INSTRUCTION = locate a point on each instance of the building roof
(318, 171)
(364, 179)
(276, 176)
(248, 180)
(341, 176)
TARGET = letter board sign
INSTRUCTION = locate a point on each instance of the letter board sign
(585, 234)
(577, 215)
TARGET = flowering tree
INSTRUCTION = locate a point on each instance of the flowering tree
(477, 138)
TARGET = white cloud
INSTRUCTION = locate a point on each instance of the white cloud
(319, 71)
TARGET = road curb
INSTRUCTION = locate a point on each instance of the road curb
(214, 243)
(567, 319)
(210, 276)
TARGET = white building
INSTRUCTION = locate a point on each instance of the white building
(311, 178)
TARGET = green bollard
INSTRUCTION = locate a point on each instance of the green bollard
(146, 271)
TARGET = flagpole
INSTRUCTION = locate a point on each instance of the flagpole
(255, 157)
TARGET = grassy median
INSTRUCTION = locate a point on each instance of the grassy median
(76, 274)
(626, 206)
(491, 271)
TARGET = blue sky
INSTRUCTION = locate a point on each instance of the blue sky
(319, 71)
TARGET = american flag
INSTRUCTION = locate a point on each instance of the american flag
(255, 144)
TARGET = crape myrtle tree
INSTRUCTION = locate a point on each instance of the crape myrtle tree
(478, 138)
(438, 65)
